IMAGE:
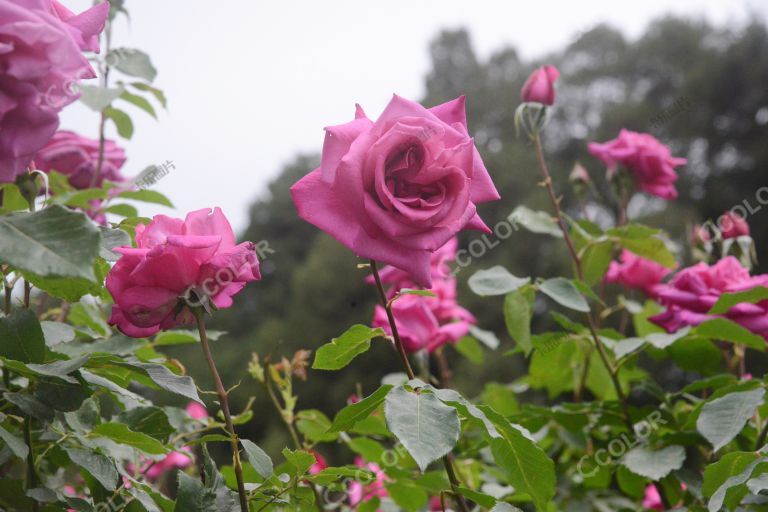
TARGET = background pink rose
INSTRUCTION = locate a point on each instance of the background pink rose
(636, 272)
(397, 189)
(649, 161)
(172, 258)
(40, 60)
(693, 291)
(418, 326)
(78, 157)
(732, 225)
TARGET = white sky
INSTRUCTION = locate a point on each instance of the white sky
(251, 83)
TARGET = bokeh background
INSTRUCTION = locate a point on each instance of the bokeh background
(251, 84)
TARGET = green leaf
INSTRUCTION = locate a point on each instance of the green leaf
(140, 102)
(148, 420)
(179, 384)
(54, 242)
(650, 248)
(733, 484)
(16, 444)
(525, 464)
(595, 261)
(61, 395)
(98, 98)
(110, 239)
(728, 300)
(487, 338)
(654, 464)
(729, 465)
(470, 348)
(157, 93)
(727, 330)
(315, 425)
(21, 337)
(121, 434)
(57, 332)
(60, 369)
(421, 293)
(536, 222)
(301, 460)
(347, 417)
(30, 405)
(563, 292)
(407, 495)
(518, 311)
(495, 281)
(71, 289)
(504, 507)
(102, 468)
(501, 398)
(132, 62)
(122, 121)
(258, 458)
(192, 496)
(342, 350)
(723, 418)
(146, 196)
(427, 427)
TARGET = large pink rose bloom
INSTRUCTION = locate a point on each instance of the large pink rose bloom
(636, 272)
(540, 86)
(397, 189)
(692, 293)
(417, 325)
(78, 158)
(649, 161)
(175, 259)
(40, 60)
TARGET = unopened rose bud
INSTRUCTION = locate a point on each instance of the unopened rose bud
(540, 86)
(579, 174)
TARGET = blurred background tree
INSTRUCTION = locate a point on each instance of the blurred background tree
(312, 289)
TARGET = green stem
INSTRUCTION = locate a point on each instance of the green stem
(547, 183)
(224, 402)
(448, 459)
(31, 473)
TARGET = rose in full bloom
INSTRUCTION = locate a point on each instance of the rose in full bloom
(417, 325)
(636, 272)
(78, 157)
(397, 189)
(540, 86)
(650, 162)
(732, 225)
(690, 295)
(40, 60)
(359, 493)
(176, 261)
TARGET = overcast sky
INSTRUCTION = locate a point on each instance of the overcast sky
(251, 83)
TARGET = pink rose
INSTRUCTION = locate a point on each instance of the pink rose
(693, 291)
(636, 272)
(652, 498)
(418, 326)
(650, 162)
(319, 465)
(78, 157)
(176, 260)
(540, 86)
(732, 225)
(39, 62)
(398, 189)
(359, 493)
(443, 305)
(84, 27)
(196, 411)
(154, 470)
